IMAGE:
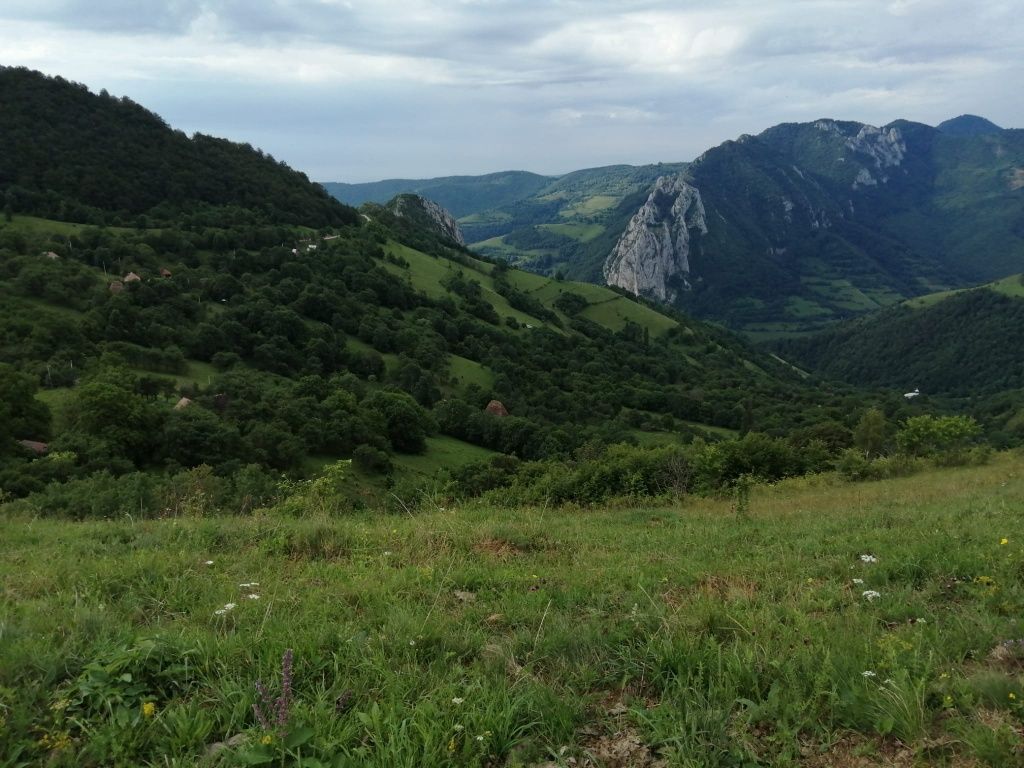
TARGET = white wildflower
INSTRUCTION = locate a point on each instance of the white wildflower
(229, 606)
(871, 594)
(868, 673)
(888, 681)
(868, 559)
(457, 700)
(249, 584)
(479, 738)
(458, 727)
(208, 562)
(253, 597)
(858, 581)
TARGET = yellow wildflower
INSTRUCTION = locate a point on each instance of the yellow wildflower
(148, 709)
(1004, 541)
(451, 744)
(1013, 696)
(267, 740)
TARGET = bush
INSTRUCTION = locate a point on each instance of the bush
(371, 460)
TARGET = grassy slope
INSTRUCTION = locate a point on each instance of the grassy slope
(1012, 286)
(714, 640)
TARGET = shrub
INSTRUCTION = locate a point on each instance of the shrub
(372, 460)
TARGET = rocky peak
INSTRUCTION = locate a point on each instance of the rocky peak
(886, 148)
(427, 212)
(651, 257)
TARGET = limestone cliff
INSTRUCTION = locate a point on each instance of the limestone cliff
(651, 257)
(428, 213)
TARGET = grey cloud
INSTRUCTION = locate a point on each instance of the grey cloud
(524, 83)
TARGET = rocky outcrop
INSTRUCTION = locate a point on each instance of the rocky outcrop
(885, 146)
(652, 257)
(429, 213)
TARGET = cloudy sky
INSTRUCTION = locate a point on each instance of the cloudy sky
(357, 90)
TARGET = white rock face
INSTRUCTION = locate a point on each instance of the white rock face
(886, 148)
(445, 222)
(654, 251)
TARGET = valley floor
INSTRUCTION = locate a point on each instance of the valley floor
(831, 624)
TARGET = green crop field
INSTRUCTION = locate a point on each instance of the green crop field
(825, 624)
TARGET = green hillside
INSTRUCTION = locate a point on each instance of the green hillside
(965, 343)
(69, 154)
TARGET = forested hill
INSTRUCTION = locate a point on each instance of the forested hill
(965, 343)
(69, 154)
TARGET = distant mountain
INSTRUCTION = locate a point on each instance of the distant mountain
(809, 223)
(803, 225)
(968, 125)
(966, 343)
(462, 195)
(70, 154)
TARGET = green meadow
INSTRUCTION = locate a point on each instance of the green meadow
(815, 623)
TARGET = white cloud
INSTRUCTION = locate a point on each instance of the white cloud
(347, 89)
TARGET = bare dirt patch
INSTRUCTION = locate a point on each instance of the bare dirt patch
(497, 548)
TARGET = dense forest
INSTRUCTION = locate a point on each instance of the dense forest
(71, 155)
(967, 344)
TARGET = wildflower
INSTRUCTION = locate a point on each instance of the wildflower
(948, 701)
(868, 559)
(148, 709)
(253, 597)
(267, 740)
(387, 553)
(228, 607)
(249, 584)
(858, 581)
(208, 562)
(868, 673)
(1004, 541)
(412, 642)
(1013, 697)
(458, 727)
(888, 681)
(480, 738)
(457, 700)
(870, 594)
(451, 744)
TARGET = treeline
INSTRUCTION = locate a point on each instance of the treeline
(69, 154)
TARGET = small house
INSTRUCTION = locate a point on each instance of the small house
(116, 286)
(50, 255)
(165, 272)
(182, 404)
(36, 447)
(131, 277)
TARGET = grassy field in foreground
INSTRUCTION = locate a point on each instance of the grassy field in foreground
(827, 625)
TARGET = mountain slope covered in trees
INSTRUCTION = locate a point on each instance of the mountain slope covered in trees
(963, 343)
(69, 154)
